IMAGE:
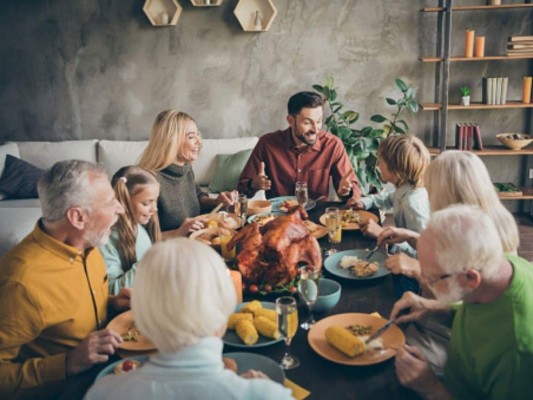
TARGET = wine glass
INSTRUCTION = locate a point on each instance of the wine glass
(301, 193)
(241, 208)
(308, 290)
(287, 325)
(334, 227)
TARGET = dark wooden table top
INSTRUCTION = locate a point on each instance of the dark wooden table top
(323, 378)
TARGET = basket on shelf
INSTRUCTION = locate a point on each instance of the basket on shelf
(514, 141)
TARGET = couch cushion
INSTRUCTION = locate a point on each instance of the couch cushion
(20, 220)
(228, 169)
(115, 154)
(5, 149)
(45, 154)
(204, 167)
(20, 178)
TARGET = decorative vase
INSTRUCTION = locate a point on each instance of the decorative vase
(465, 100)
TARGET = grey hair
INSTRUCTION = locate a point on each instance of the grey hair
(465, 237)
(66, 185)
(460, 177)
(182, 293)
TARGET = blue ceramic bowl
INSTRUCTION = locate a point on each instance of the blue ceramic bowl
(329, 294)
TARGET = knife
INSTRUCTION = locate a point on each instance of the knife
(382, 330)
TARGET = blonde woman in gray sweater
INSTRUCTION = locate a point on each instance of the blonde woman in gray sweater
(174, 144)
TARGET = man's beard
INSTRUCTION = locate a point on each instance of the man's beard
(305, 139)
(453, 293)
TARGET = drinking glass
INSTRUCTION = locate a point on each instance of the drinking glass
(334, 227)
(287, 325)
(301, 193)
(308, 290)
(241, 208)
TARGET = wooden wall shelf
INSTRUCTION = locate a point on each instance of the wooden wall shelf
(476, 106)
(162, 12)
(486, 58)
(206, 3)
(527, 194)
(491, 151)
(246, 13)
(477, 8)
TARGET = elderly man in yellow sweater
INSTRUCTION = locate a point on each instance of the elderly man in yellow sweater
(53, 287)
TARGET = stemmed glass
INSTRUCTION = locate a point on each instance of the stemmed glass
(287, 325)
(308, 289)
(334, 227)
(301, 193)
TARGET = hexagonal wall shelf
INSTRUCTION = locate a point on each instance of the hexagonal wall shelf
(206, 3)
(162, 12)
(255, 15)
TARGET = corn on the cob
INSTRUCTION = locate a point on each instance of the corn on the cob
(345, 341)
(251, 307)
(266, 327)
(247, 332)
(236, 317)
(267, 313)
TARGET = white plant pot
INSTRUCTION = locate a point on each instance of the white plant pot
(465, 100)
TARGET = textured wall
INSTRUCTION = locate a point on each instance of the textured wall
(98, 69)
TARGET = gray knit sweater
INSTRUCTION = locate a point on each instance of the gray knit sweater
(178, 198)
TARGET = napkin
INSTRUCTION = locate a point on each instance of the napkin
(376, 314)
(298, 392)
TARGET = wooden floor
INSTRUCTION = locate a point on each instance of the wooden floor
(525, 226)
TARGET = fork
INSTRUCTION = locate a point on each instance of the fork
(371, 252)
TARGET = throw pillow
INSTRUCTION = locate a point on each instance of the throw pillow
(20, 178)
(228, 170)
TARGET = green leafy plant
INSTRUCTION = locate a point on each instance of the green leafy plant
(465, 91)
(362, 144)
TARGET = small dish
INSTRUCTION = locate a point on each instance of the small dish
(259, 207)
(329, 294)
(514, 141)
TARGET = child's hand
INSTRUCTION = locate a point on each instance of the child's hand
(370, 228)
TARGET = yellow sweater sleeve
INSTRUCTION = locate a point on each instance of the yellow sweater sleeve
(21, 323)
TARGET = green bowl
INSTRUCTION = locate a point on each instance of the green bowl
(329, 294)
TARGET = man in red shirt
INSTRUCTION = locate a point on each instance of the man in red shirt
(301, 153)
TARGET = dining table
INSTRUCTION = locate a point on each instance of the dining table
(325, 379)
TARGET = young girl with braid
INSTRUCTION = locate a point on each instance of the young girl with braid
(137, 190)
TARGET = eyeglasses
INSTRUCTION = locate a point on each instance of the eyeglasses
(440, 278)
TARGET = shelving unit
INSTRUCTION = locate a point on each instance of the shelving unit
(441, 105)
(162, 12)
(206, 3)
(250, 13)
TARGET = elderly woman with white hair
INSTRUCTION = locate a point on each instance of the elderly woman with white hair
(182, 299)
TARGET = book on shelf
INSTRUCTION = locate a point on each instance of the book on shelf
(505, 83)
(478, 143)
(498, 91)
(520, 51)
(518, 46)
(494, 90)
(468, 136)
(526, 38)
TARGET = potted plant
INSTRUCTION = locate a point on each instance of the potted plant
(362, 144)
(465, 95)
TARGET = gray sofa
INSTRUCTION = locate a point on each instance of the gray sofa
(18, 217)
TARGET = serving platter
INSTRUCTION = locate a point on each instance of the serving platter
(232, 339)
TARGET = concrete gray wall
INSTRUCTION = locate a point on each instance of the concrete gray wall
(98, 69)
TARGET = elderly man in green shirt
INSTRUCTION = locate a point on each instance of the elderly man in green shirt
(491, 349)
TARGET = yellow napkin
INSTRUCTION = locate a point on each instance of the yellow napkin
(298, 392)
(376, 314)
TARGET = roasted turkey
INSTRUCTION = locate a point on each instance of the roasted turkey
(271, 254)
